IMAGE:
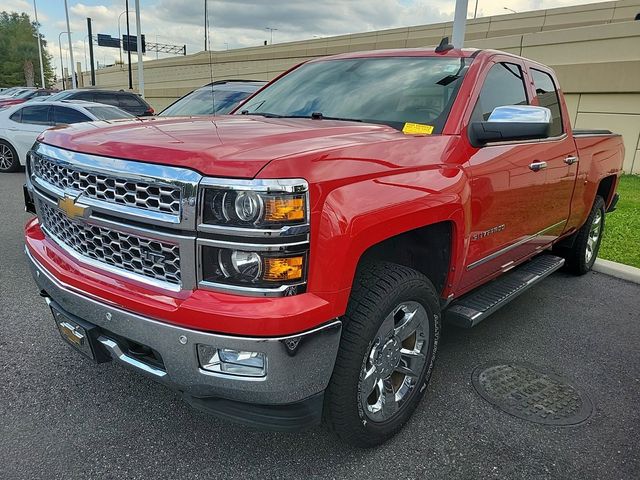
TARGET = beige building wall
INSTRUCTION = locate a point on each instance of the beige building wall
(595, 50)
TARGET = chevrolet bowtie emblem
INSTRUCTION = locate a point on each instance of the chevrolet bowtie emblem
(69, 206)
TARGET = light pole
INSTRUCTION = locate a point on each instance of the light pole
(206, 26)
(73, 67)
(35, 10)
(126, 7)
(120, 36)
(459, 23)
(510, 9)
(61, 64)
(139, 48)
(271, 29)
(84, 44)
(475, 11)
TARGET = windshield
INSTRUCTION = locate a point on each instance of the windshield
(202, 101)
(388, 90)
(108, 113)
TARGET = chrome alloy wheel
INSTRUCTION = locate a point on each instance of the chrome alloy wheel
(594, 236)
(391, 370)
(6, 157)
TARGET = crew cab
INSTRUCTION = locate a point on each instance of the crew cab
(291, 263)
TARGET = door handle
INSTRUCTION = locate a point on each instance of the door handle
(571, 160)
(537, 166)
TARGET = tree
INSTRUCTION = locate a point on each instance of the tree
(19, 62)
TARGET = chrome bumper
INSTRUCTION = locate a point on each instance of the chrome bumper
(298, 366)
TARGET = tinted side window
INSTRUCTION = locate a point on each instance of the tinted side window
(547, 96)
(106, 98)
(86, 96)
(130, 101)
(36, 114)
(67, 116)
(504, 85)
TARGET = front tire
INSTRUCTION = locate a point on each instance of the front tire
(9, 161)
(581, 256)
(386, 355)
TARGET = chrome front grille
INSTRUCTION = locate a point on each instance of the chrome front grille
(109, 188)
(149, 258)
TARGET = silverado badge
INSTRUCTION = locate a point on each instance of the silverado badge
(69, 206)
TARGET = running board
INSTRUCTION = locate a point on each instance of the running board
(477, 305)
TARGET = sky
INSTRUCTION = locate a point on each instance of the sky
(242, 23)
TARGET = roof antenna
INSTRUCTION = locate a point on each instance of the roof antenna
(444, 46)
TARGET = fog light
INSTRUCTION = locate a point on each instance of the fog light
(232, 362)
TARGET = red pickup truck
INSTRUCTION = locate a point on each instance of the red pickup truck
(290, 264)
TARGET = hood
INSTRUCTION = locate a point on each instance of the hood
(226, 146)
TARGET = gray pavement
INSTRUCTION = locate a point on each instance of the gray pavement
(63, 417)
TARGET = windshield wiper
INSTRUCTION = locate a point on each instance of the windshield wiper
(262, 114)
(320, 116)
(313, 116)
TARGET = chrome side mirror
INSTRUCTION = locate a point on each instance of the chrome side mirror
(520, 114)
(511, 123)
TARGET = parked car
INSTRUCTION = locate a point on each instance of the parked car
(127, 101)
(14, 91)
(20, 125)
(217, 98)
(25, 96)
(293, 264)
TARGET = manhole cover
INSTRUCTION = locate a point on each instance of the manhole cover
(524, 392)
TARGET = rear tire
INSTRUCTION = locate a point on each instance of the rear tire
(9, 161)
(388, 348)
(582, 255)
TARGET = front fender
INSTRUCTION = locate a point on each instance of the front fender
(356, 216)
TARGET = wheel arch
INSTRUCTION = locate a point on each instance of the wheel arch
(397, 219)
(426, 249)
(607, 188)
(4, 139)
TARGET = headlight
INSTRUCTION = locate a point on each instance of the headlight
(262, 205)
(253, 269)
(254, 236)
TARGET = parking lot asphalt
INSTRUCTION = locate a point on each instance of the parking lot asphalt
(63, 417)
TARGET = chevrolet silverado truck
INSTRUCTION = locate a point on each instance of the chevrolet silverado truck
(291, 264)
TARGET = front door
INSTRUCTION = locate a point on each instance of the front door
(521, 191)
(27, 124)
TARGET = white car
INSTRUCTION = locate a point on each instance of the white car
(20, 125)
(14, 91)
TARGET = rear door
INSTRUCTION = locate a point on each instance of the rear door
(561, 156)
(68, 116)
(516, 208)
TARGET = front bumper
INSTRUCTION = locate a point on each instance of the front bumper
(298, 367)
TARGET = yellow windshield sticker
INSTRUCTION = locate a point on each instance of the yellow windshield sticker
(417, 129)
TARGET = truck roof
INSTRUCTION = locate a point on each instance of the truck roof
(405, 52)
(423, 52)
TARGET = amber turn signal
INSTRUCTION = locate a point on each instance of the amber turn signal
(278, 209)
(283, 269)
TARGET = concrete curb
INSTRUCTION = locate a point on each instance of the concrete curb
(618, 270)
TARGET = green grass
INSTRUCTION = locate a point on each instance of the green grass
(621, 242)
